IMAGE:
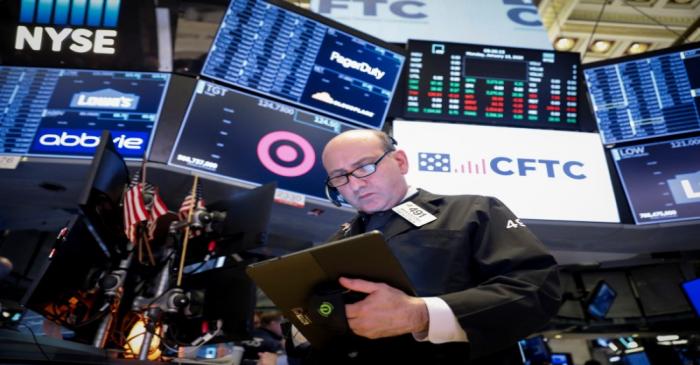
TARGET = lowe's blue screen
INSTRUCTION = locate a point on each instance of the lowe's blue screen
(62, 112)
(252, 139)
(282, 53)
(661, 180)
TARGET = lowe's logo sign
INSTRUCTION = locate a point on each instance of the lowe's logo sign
(501, 165)
(105, 99)
(72, 17)
(85, 141)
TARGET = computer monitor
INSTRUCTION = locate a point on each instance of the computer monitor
(601, 300)
(65, 290)
(561, 358)
(472, 83)
(101, 197)
(62, 112)
(251, 139)
(223, 293)
(238, 223)
(648, 95)
(691, 288)
(661, 180)
(534, 350)
(283, 51)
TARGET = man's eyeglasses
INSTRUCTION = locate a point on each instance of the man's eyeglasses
(360, 172)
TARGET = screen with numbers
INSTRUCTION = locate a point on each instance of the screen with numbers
(283, 51)
(469, 83)
(646, 96)
(256, 140)
(661, 180)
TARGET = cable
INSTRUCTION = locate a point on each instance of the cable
(651, 18)
(36, 342)
(595, 27)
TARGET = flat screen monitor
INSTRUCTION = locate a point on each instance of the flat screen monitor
(472, 83)
(62, 112)
(661, 179)
(636, 358)
(255, 140)
(223, 293)
(692, 291)
(648, 95)
(561, 358)
(600, 300)
(282, 51)
(534, 350)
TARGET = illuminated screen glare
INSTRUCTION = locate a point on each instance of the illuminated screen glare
(252, 139)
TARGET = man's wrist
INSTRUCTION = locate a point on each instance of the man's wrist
(421, 317)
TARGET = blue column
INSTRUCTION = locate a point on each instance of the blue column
(77, 15)
(94, 16)
(111, 13)
(60, 13)
(26, 13)
(43, 15)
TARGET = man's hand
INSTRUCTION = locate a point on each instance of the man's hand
(385, 312)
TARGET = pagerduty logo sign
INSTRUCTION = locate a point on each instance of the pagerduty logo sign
(363, 67)
(106, 98)
(69, 19)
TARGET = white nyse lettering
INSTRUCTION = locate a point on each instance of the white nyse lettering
(688, 189)
(32, 39)
(57, 38)
(81, 37)
(103, 40)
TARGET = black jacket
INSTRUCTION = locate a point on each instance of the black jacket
(477, 256)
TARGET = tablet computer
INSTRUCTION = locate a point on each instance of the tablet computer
(291, 280)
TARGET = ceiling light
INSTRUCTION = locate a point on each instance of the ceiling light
(564, 43)
(601, 46)
(637, 47)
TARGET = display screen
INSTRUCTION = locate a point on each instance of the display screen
(62, 112)
(601, 300)
(646, 96)
(252, 139)
(661, 180)
(692, 290)
(282, 51)
(471, 83)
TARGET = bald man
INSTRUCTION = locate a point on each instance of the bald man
(483, 283)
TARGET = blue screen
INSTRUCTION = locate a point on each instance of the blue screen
(232, 134)
(602, 301)
(661, 180)
(62, 112)
(560, 359)
(692, 290)
(284, 54)
(637, 358)
(646, 97)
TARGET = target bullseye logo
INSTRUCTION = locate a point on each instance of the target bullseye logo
(286, 154)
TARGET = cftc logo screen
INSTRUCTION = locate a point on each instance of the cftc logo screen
(77, 25)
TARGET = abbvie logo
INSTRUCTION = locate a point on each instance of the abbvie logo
(84, 142)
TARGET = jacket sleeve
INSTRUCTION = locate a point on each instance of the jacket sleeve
(518, 290)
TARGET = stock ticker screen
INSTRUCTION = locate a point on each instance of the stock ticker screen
(661, 180)
(646, 96)
(272, 48)
(254, 139)
(62, 112)
(492, 85)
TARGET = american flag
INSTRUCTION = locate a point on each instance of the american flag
(197, 202)
(157, 209)
(135, 210)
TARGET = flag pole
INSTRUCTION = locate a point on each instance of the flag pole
(187, 231)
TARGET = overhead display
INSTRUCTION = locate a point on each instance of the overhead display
(253, 139)
(469, 83)
(645, 96)
(539, 174)
(661, 180)
(282, 51)
(62, 112)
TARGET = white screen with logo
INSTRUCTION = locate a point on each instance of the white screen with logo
(539, 174)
